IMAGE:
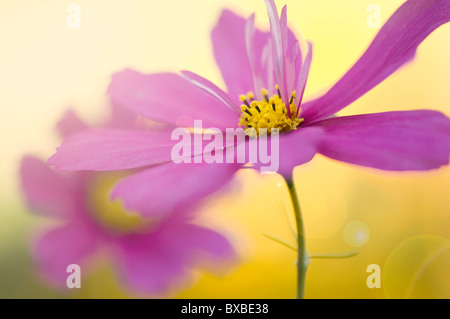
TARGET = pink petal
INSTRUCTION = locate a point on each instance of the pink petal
(284, 30)
(48, 193)
(156, 262)
(303, 76)
(257, 69)
(295, 148)
(277, 47)
(211, 89)
(121, 118)
(206, 245)
(163, 189)
(63, 246)
(70, 123)
(229, 43)
(267, 65)
(397, 141)
(169, 98)
(298, 148)
(291, 69)
(394, 45)
(107, 150)
(147, 266)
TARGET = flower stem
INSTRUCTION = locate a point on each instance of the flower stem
(303, 258)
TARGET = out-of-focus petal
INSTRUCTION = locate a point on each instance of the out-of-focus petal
(48, 193)
(156, 262)
(147, 266)
(121, 118)
(397, 141)
(163, 189)
(205, 244)
(70, 123)
(169, 98)
(108, 150)
(70, 244)
(394, 45)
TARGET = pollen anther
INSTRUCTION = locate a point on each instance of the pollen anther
(269, 113)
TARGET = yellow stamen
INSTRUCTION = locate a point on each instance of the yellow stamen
(269, 113)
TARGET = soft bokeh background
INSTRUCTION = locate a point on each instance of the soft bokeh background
(400, 221)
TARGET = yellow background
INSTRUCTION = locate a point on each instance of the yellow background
(403, 219)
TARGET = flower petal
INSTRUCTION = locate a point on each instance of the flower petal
(303, 76)
(291, 71)
(206, 245)
(48, 193)
(70, 123)
(298, 148)
(121, 118)
(63, 246)
(147, 265)
(278, 52)
(394, 45)
(397, 141)
(163, 189)
(211, 89)
(294, 149)
(230, 46)
(256, 67)
(169, 98)
(107, 150)
(156, 262)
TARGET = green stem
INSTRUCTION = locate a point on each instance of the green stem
(303, 259)
(335, 255)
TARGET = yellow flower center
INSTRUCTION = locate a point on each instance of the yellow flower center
(269, 113)
(111, 215)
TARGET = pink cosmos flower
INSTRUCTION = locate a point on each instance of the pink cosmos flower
(152, 255)
(273, 66)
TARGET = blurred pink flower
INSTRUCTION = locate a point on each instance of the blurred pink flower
(152, 256)
(274, 67)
